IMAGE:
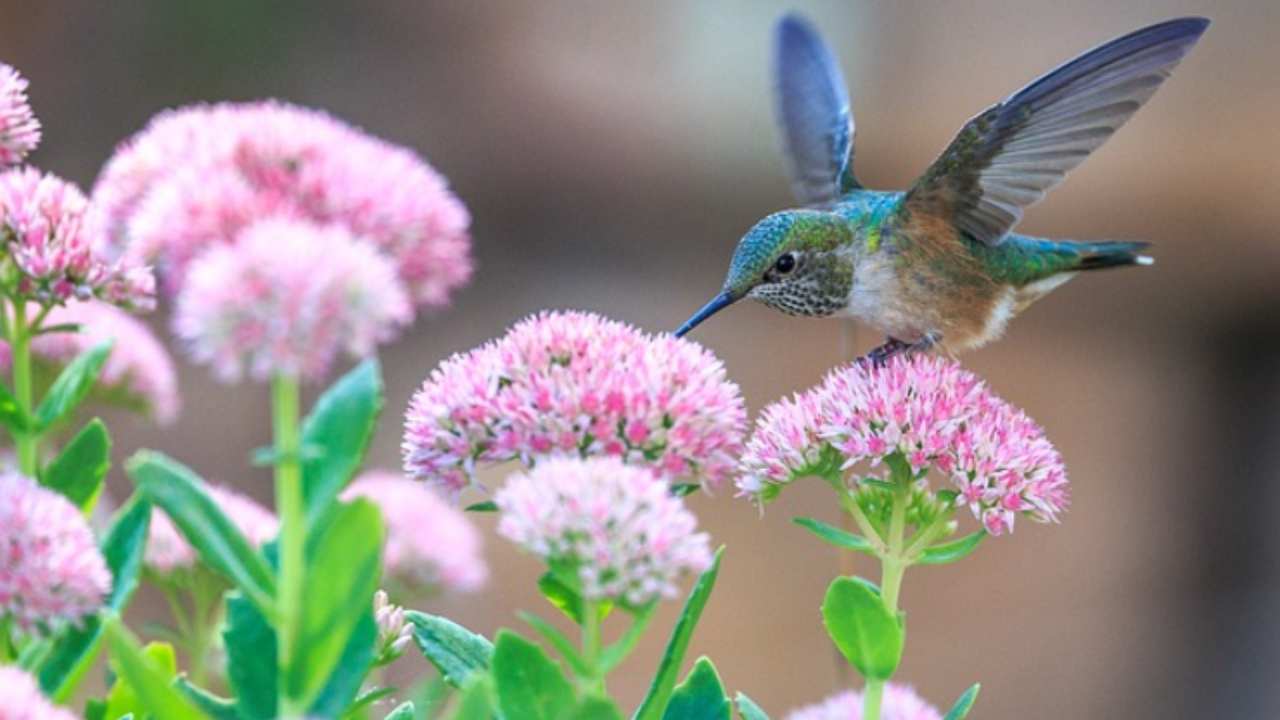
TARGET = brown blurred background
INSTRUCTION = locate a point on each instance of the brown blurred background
(612, 154)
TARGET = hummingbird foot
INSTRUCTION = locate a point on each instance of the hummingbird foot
(893, 347)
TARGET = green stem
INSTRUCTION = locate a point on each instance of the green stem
(591, 646)
(26, 441)
(293, 532)
(893, 563)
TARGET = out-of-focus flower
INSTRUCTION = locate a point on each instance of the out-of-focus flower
(394, 633)
(627, 536)
(19, 128)
(42, 230)
(138, 371)
(899, 702)
(51, 571)
(167, 551)
(20, 698)
(286, 298)
(930, 412)
(198, 176)
(572, 383)
(429, 542)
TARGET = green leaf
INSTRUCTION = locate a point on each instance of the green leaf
(79, 469)
(123, 700)
(964, 704)
(664, 681)
(345, 680)
(72, 384)
(557, 640)
(683, 489)
(862, 627)
(476, 702)
(212, 705)
(74, 648)
(344, 563)
(748, 708)
(180, 493)
(340, 426)
(11, 415)
(595, 708)
(700, 697)
(486, 506)
(952, 551)
(529, 684)
(836, 536)
(95, 709)
(613, 655)
(251, 658)
(149, 680)
(565, 598)
(403, 712)
(454, 650)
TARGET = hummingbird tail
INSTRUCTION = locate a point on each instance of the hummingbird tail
(1099, 255)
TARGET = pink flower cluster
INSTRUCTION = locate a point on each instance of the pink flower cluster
(429, 542)
(573, 383)
(51, 571)
(168, 552)
(932, 413)
(20, 698)
(286, 299)
(19, 128)
(899, 702)
(42, 229)
(628, 537)
(139, 369)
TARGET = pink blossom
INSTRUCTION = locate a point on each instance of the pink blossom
(198, 176)
(286, 299)
(573, 383)
(51, 571)
(168, 552)
(930, 412)
(20, 698)
(429, 541)
(42, 230)
(19, 128)
(618, 525)
(394, 632)
(899, 702)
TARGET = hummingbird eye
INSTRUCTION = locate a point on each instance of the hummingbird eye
(785, 264)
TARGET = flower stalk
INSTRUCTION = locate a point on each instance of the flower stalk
(285, 411)
(27, 441)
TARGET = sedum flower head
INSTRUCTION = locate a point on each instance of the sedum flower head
(19, 128)
(932, 414)
(198, 176)
(573, 383)
(899, 702)
(42, 231)
(168, 552)
(429, 541)
(51, 571)
(618, 526)
(287, 298)
(20, 698)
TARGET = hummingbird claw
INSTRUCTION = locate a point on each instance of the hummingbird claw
(893, 347)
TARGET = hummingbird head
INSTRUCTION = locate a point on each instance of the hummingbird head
(795, 261)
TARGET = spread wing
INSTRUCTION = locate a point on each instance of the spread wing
(1006, 158)
(812, 108)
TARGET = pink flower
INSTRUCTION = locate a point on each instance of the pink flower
(573, 383)
(20, 698)
(931, 413)
(899, 702)
(42, 230)
(394, 633)
(286, 299)
(139, 369)
(428, 540)
(198, 176)
(19, 128)
(51, 571)
(619, 526)
(168, 552)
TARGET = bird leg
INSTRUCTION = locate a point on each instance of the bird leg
(893, 347)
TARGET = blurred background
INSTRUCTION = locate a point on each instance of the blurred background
(612, 154)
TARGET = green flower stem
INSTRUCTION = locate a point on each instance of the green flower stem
(591, 646)
(293, 531)
(893, 564)
(27, 442)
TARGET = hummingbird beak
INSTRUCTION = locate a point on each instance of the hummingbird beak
(718, 303)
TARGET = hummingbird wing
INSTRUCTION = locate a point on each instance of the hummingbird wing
(812, 107)
(1007, 157)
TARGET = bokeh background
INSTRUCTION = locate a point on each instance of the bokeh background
(612, 154)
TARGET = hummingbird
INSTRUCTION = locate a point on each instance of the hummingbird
(938, 265)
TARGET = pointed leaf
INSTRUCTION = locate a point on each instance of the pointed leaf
(862, 627)
(212, 705)
(683, 489)
(964, 704)
(455, 651)
(565, 598)
(557, 640)
(71, 386)
(221, 546)
(836, 536)
(346, 678)
(251, 658)
(403, 712)
(664, 681)
(122, 699)
(79, 469)
(530, 685)
(748, 708)
(147, 678)
(700, 697)
(339, 428)
(486, 506)
(952, 551)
